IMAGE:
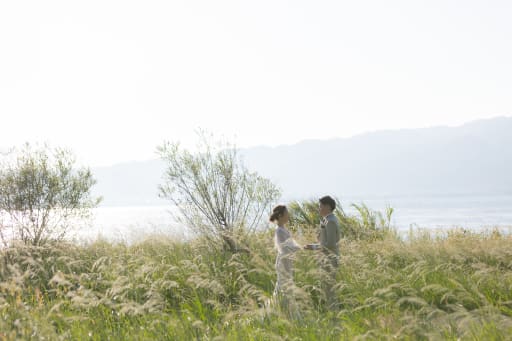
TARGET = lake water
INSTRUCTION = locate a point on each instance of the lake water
(416, 212)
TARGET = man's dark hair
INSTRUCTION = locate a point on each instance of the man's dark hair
(327, 200)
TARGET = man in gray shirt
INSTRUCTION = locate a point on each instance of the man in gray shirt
(328, 236)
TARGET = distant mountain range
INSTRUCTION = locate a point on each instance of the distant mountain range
(475, 158)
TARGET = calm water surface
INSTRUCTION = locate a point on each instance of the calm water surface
(416, 212)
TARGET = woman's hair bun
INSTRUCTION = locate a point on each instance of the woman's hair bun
(277, 212)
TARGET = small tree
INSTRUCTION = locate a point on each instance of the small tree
(42, 194)
(214, 193)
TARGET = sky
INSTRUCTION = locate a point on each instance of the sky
(112, 80)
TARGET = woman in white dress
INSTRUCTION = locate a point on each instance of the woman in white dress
(286, 246)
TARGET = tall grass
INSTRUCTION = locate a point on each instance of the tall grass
(365, 224)
(457, 287)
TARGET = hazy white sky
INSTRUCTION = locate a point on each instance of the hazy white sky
(113, 79)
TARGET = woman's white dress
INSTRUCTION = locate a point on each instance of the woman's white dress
(286, 247)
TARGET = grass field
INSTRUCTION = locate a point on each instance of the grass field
(455, 287)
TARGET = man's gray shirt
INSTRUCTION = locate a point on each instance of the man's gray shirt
(330, 234)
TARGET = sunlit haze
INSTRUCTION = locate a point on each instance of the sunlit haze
(113, 79)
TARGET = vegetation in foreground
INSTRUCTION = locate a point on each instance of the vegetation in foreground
(219, 285)
(457, 287)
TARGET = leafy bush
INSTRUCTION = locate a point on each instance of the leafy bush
(42, 194)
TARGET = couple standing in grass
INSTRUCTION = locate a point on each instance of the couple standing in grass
(329, 234)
